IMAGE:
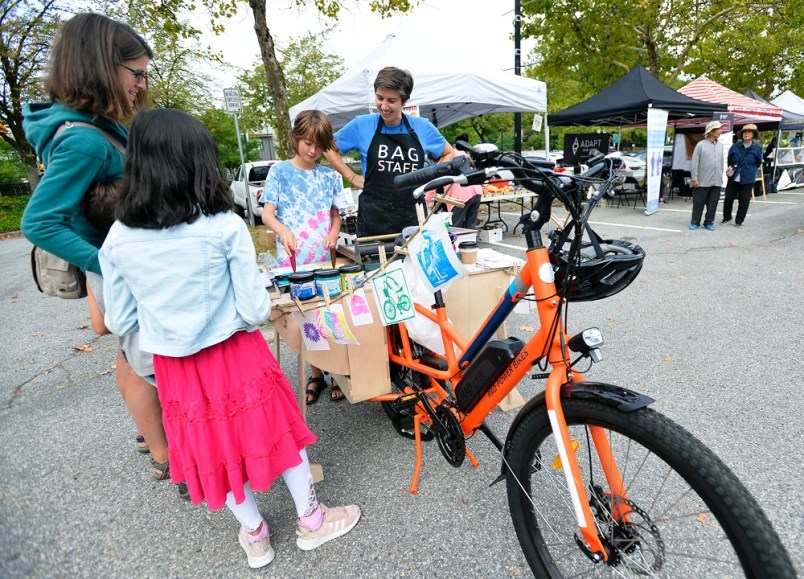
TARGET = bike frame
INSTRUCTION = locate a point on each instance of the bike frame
(549, 341)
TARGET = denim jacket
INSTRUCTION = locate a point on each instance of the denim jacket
(186, 287)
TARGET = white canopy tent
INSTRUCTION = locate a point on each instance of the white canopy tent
(447, 87)
(790, 102)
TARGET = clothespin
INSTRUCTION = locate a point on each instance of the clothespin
(326, 298)
(298, 304)
(420, 214)
(381, 250)
(350, 287)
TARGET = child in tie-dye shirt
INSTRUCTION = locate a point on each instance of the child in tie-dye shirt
(299, 206)
(299, 195)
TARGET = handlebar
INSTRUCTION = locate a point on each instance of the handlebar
(544, 182)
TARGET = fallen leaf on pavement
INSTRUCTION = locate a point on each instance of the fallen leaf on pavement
(83, 348)
(526, 328)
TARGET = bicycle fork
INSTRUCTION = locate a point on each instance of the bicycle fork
(589, 541)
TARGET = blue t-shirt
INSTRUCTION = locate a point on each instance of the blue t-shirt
(303, 200)
(356, 135)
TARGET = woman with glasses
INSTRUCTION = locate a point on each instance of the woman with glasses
(97, 78)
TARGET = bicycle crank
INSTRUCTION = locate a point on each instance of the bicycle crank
(449, 435)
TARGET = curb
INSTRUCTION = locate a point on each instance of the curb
(10, 235)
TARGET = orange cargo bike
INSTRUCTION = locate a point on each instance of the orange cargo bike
(598, 483)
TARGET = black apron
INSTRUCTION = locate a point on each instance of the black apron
(382, 208)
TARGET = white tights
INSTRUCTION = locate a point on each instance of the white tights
(299, 481)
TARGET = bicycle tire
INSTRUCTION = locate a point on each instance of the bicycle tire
(708, 520)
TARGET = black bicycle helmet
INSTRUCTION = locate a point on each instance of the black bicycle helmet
(602, 268)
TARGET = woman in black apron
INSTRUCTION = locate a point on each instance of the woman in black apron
(382, 207)
(395, 148)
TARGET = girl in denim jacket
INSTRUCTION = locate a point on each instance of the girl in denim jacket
(180, 267)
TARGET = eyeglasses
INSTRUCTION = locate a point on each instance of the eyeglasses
(140, 75)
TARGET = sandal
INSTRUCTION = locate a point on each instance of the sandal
(141, 445)
(314, 393)
(161, 470)
(335, 393)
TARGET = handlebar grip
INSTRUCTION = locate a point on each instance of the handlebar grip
(422, 176)
(435, 184)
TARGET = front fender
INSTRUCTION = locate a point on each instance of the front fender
(609, 394)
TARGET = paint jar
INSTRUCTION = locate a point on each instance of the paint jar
(282, 283)
(328, 281)
(353, 272)
(468, 251)
(302, 285)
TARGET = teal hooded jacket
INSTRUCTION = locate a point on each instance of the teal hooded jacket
(75, 160)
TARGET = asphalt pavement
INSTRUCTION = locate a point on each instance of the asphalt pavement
(712, 329)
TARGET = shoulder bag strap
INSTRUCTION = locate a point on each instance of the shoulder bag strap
(109, 137)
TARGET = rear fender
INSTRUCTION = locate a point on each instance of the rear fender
(614, 396)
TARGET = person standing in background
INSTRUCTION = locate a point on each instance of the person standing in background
(745, 157)
(707, 176)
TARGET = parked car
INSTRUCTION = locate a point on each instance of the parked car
(633, 167)
(667, 157)
(251, 177)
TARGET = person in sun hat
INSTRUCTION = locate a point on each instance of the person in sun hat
(707, 175)
(745, 156)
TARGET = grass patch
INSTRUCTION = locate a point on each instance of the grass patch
(11, 208)
(255, 236)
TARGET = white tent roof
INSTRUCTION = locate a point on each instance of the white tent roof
(790, 102)
(445, 87)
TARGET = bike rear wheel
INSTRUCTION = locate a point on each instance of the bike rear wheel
(690, 515)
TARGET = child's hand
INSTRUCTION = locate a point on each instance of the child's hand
(331, 240)
(289, 241)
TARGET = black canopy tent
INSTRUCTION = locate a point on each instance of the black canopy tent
(626, 102)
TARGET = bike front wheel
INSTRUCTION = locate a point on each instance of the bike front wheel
(689, 515)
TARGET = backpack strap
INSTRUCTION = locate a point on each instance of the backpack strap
(109, 137)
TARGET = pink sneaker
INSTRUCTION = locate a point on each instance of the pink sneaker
(337, 522)
(259, 554)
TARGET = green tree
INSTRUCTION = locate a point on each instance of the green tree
(12, 170)
(307, 68)
(585, 45)
(26, 30)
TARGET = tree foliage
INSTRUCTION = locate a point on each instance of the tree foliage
(307, 69)
(585, 45)
(26, 30)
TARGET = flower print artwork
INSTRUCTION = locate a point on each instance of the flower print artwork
(308, 325)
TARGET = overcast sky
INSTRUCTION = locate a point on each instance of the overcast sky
(480, 30)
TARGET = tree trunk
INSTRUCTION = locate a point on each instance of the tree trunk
(276, 78)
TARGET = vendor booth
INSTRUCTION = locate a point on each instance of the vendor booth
(638, 98)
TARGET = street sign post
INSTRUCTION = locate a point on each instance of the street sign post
(233, 104)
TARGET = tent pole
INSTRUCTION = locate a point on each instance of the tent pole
(518, 72)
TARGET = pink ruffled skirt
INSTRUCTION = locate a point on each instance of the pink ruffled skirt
(230, 416)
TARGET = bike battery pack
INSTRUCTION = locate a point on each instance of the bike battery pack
(484, 370)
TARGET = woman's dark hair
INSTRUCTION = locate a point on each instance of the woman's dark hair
(173, 174)
(396, 79)
(84, 62)
(313, 125)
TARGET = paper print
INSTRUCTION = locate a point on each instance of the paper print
(359, 308)
(332, 325)
(311, 335)
(392, 296)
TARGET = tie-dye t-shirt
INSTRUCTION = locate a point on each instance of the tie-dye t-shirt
(303, 200)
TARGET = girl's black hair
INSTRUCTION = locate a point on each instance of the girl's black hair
(173, 174)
